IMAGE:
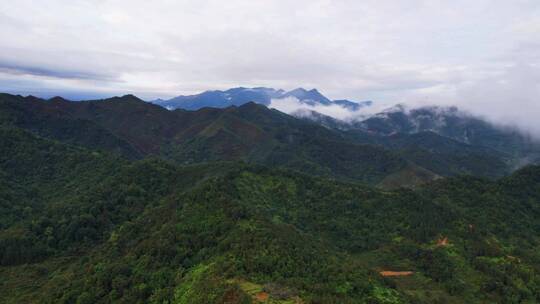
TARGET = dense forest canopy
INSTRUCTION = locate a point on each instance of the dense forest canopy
(149, 209)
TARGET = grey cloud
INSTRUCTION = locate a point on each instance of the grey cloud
(15, 69)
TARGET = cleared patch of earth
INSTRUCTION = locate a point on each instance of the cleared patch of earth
(388, 273)
(261, 296)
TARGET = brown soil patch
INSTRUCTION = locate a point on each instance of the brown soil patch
(262, 296)
(396, 273)
(442, 242)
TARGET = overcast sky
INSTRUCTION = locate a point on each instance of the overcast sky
(474, 53)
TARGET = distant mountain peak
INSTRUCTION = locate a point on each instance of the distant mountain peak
(261, 95)
(298, 90)
(311, 97)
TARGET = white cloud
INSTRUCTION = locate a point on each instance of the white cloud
(512, 98)
(291, 105)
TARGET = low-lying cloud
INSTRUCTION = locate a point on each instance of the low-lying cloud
(509, 96)
(292, 105)
(511, 99)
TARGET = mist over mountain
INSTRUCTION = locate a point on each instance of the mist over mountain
(261, 95)
(476, 127)
(309, 103)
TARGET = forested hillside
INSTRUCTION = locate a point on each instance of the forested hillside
(253, 133)
(90, 226)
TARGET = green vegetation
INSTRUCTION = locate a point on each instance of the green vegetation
(87, 225)
(252, 133)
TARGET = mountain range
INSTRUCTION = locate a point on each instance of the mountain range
(125, 201)
(513, 146)
(240, 96)
(428, 142)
